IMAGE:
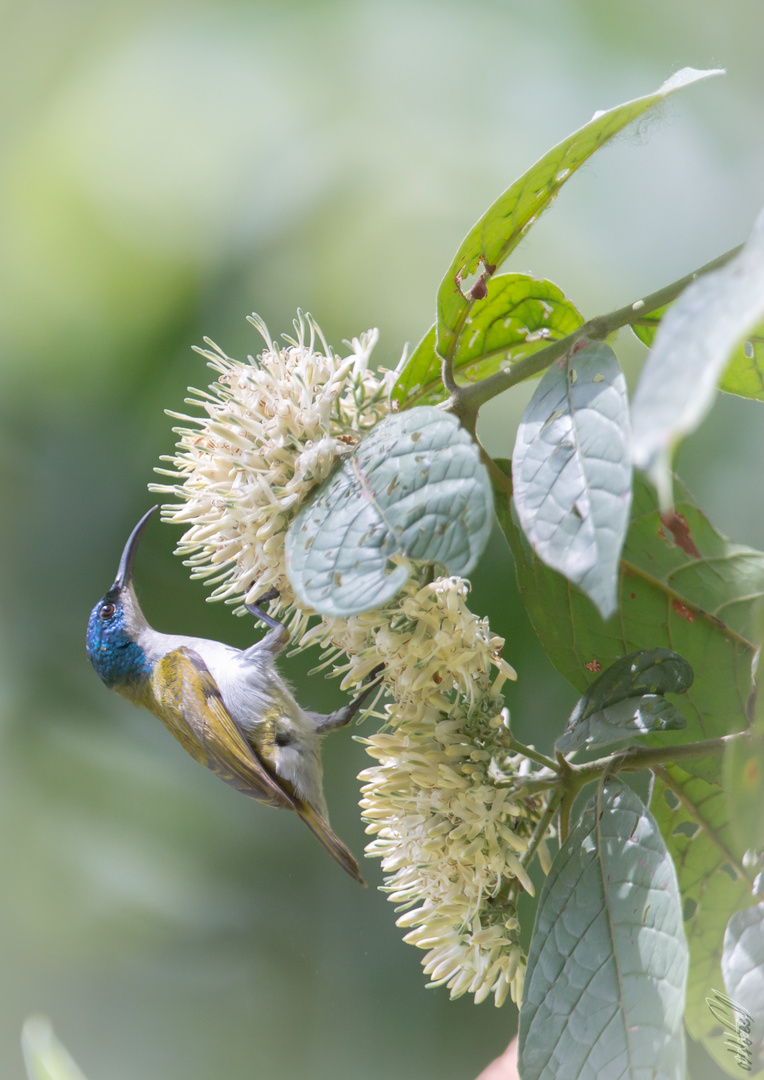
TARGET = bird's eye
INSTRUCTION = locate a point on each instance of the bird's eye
(106, 611)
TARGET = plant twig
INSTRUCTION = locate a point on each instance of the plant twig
(466, 400)
(572, 778)
(447, 374)
(528, 751)
(542, 825)
(634, 758)
(569, 791)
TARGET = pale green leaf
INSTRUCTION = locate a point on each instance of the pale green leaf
(416, 488)
(692, 348)
(572, 473)
(604, 988)
(744, 374)
(627, 700)
(744, 783)
(743, 968)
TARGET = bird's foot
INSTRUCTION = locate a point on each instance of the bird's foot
(342, 717)
(271, 594)
(256, 610)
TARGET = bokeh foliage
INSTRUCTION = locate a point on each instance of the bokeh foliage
(165, 170)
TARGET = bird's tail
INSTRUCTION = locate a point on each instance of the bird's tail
(320, 828)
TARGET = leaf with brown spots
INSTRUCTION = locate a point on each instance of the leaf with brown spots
(680, 530)
(518, 315)
(699, 607)
(505, 223)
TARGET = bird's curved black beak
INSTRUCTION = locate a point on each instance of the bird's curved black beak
(126, 563)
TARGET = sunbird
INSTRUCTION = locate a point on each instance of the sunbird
(228, 708)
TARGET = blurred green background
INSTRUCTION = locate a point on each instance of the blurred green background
(166, 168)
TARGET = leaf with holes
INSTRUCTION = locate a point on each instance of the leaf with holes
(701, 608)
(416, 488)
(692, 348)
(518, 316)
(571, 471)
(504, 224)
(693, 816)
(743, 969)
(627, 700)
(744, 374)
(604, 988)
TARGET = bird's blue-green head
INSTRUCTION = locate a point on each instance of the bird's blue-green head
(116, 623)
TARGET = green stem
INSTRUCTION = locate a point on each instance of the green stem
(447, 373)
(525, 787)
(566, 804)
(500, 480)
(635, 758)
(569, 790)
(529, 752)
(466, 400)
(572, 778)
(542, 825)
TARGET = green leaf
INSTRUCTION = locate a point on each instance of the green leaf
(647, 327)
(624, 720)
(744, 375)
(693, 816)
(416, 488)
(692, 348)
(701, 608)
(627, 700)
(604, 988)
(647, 671)
(743, 774)
(745, 372)
(505, 223)
(518, 316)
(571, 471)
(743, 969)
(44, 1056)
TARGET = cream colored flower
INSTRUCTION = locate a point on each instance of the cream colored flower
(449, 837)
(273, 429)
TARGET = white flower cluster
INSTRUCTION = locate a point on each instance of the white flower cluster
(273, 429)
(449, 837)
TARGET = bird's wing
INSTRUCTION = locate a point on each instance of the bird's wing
(193, 710)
